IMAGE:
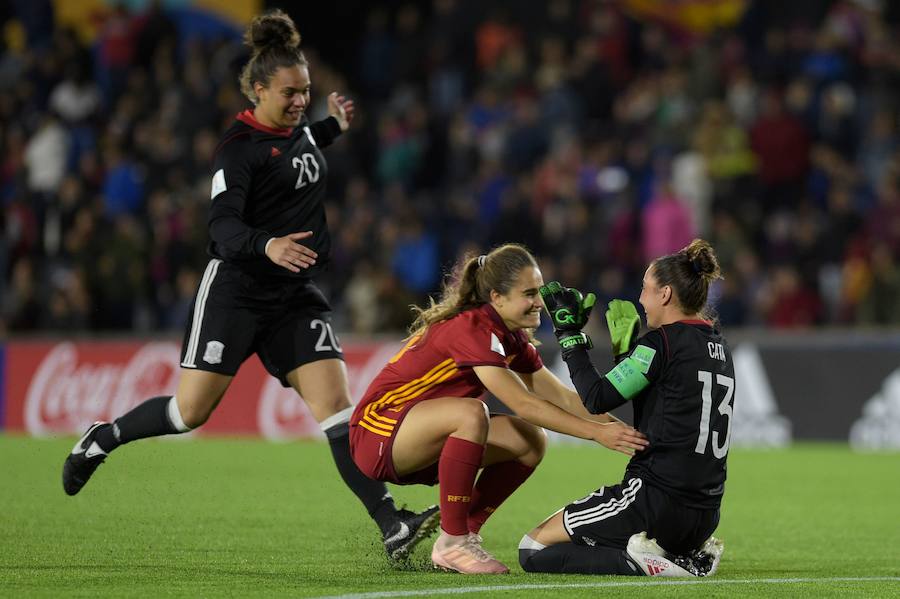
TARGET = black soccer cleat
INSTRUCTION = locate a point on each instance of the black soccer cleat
(84, 459)
(703, 561)
(409, 529)
(694, 563)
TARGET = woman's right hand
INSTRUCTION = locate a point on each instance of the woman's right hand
(287, 253)
(618, 436)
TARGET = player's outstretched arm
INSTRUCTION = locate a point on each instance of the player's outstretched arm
(548, 387)
(510, 389)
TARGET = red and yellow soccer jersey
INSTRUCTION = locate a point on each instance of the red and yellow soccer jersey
(440, 365)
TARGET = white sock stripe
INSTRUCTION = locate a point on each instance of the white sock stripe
(190, 355)
(336, 419)
(603, 510)
(175, 418)
(528, 543)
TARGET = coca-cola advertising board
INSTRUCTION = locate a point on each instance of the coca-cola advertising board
(54, 388)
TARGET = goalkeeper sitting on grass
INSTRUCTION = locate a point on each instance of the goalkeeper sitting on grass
(679, 378)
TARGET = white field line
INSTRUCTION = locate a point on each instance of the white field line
(605, 585)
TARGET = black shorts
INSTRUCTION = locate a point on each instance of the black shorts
(234, 315)
(609, 516)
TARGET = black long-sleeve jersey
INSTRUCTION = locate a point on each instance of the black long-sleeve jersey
(685, 409)
(269, 183)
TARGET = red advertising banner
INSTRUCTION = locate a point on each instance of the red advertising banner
(62, 387)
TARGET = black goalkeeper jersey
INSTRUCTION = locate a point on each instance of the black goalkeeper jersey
(269, 183)
(685, 411)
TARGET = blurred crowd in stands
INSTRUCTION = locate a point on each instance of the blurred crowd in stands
(597, 135)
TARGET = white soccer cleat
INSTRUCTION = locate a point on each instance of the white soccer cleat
(651, 558)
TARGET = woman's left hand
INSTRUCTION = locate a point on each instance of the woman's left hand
(341, 108)
(620, 437)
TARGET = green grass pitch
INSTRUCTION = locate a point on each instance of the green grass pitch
(242, 518)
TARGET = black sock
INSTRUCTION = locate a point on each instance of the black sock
(569, 558)
(149, 419)
(373, 494)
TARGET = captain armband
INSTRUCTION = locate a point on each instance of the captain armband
(627, 378)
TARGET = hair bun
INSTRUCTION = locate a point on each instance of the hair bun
(697, 266)
(272, 29)
(703, 259)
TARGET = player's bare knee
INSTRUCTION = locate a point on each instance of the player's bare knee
(193, 415)
(327, 405)
(194, 410)
(472, 419)
(534, 444)
(538, 442)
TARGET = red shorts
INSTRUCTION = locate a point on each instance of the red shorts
(372, 454)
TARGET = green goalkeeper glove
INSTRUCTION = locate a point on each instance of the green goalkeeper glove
(569, 312)
(624, 326)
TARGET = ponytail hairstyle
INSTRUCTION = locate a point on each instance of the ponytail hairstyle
(471, 282)
(275, 43)
(689, 272)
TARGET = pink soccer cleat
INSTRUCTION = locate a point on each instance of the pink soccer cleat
(464, 554)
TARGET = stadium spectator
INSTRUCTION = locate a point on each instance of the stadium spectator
(421, 422)
(781, 144)
(667, 223)
(738, 113)
(673, 488)
(881, 303)
(257, 294)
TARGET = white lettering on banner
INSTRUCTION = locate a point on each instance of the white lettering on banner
(879, 425)
(282, 414)
(757, 422)
(66, 396)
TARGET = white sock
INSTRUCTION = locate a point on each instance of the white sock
(528, 543)
(337, 418)
(175, 416)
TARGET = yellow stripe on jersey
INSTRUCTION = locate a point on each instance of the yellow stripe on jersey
(378, 420)
(439, 373)
(363, 424)
(377, 423)
(376, 416)
(373, 422)
(408, 345)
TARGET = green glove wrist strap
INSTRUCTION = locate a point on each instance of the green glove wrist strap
(569, 341)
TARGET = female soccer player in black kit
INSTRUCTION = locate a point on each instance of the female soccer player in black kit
(257, 294)
(680, 380)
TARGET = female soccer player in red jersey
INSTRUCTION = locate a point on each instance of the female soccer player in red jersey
(422, 422)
